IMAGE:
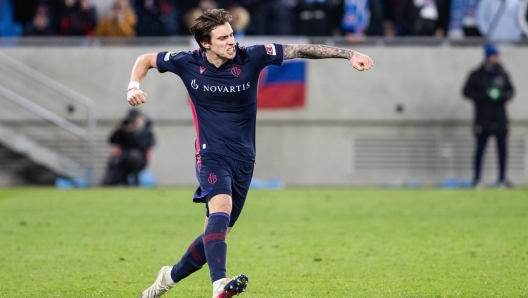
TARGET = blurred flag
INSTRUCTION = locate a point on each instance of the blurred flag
(283, 86)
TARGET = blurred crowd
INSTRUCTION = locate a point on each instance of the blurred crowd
(354, 19)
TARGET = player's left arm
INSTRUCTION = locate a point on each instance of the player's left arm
(357, 60)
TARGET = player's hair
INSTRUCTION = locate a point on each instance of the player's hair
(207, 22)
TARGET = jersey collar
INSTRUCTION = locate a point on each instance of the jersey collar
(239, 59)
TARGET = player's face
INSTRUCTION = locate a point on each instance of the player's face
(222, 42)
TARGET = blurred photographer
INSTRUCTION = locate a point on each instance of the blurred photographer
(132, 141)
(489, 88)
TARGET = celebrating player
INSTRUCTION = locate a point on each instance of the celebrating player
(221, 78)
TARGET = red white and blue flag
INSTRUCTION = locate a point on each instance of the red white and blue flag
(283, 86)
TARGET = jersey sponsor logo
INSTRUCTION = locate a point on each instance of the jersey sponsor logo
(235, 70)
(220, 88)
(270, 49)
(226, 89)
(202, 69)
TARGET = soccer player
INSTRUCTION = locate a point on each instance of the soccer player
(221, 78)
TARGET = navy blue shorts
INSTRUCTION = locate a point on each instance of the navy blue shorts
(220, 174)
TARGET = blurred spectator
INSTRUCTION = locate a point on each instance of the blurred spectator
(194, 13)
(489, 88)
(275, 17)
(8, 26)
(497, 19)
(186, 5)
(252, 6)
(120, 21)
(170, 16)
(318, 17)
(356, 19)
(194, 8)
(77, 18)
(133, 142)
(151, 20)
(425, 17)
(392, 10)
(376, 24)
(523, 17)
(24, 11)
(241, 18)
(41, 23)
(469, 21)
(389, 30)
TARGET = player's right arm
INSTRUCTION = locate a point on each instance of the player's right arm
(143, 63)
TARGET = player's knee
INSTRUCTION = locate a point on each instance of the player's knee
(220, 203)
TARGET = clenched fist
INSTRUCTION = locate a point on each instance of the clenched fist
(135, 97)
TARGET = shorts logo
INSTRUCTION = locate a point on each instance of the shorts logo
(202, 69)
(270, 49)
(212, 178)
(235, 70)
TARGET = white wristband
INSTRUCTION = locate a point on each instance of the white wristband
(132, 85)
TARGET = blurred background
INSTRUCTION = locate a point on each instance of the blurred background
(65, 66)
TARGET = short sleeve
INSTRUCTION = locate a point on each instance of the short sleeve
(264, 55)
(170, 61)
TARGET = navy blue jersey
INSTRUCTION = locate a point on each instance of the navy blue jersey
(224, 99)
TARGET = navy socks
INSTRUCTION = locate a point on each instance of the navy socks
(192, 261)
(209, 246)
(215, 245)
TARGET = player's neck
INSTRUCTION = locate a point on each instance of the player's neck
(215, 59)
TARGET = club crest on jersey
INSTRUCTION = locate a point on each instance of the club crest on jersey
(270, 49)
(202, 69)
(235, 70)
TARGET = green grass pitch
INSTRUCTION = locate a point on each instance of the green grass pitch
(291, 243)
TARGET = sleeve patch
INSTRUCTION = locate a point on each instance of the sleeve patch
(170, 54)
(270, 49)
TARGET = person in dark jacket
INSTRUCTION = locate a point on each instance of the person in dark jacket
(489, 87)
(41, 23)
(425, 17)
(77, 18)
(132, 141)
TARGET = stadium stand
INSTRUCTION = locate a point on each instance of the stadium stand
(407, 122)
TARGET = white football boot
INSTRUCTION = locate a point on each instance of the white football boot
(161, 285)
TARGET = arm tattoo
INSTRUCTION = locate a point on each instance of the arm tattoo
(316, 52)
